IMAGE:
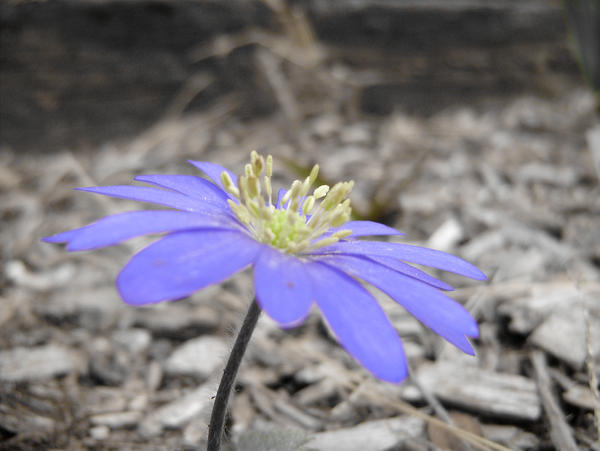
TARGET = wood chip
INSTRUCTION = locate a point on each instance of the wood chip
(563, 335)
(495, 394)
(379, 435)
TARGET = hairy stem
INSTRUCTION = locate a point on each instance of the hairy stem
(217, 418)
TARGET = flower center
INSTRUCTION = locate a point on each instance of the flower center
(297, 221)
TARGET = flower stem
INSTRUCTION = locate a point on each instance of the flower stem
(217, 418)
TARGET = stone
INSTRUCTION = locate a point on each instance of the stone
(563, 334)
(177, 321)
(100, 432)
(135, 340)
(510, 436)
(378, 435)
(581, 396)
(198, 357)
(117, 420)
(446, 236)
(41, 362)
(495, 394)
(178, 413)
(93, 309)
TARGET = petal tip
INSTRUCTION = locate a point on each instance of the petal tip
(478, 274)
(395, 378)
(51, 239)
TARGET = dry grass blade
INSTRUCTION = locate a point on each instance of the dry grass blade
(475, 440)
(560, 432)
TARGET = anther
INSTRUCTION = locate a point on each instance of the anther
(342, 233)
(321, 191)
(229, 186)
(324, 242)
(308, 205)
(268, 188)
(269, 165)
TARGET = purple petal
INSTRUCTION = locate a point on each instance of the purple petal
(282, 287)
(158, 196)
(433, 308)
(411, 271)
(366, 228)
(214, 171)
(406, 252)
(116, 228)
(358, 322)
(182, 263)
(190, 185)
(280, 195)
(460, 341)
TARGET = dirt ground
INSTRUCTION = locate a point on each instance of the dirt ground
(510, 183)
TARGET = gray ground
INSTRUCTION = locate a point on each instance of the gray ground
(510, 184)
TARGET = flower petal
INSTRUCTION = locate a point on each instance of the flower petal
(282, 287)
(406, 252)
(123, 226)
(460, 341)
(214, 171)
(411, 271)
(358, 322)
(367, 228)
(437, 311)
(182, 263)
(190, 185)
(158, 196)
(280, 193)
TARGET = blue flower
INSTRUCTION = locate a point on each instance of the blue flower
(303, 248)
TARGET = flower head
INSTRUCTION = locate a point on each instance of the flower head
(302, 246)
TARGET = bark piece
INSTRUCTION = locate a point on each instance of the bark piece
(496, 394)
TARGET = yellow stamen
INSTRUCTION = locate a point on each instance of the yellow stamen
(288, 229)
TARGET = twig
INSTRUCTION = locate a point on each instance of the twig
(560, 432)
(437, 406)
(474, 439)
(192, 87)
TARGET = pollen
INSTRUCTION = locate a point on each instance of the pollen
(298, 221)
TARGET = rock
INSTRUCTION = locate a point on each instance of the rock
(136, 341)
(563, 335)
(42, 362)
(270, 437)
(195, 434)
(326, 126)
(22, 420)
(178, 413)
(510, 436)
(177, 321)
(446, 236)
(117, 420)
(100, 432)
(17, 272)
(546, 173)
(592, 137)
(358, 134)
(581, 396)
(198, 357)
(93, 309)
(497, 394)
(106, 365)
(379, 435)
(527, 313)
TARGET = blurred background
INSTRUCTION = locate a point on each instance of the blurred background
(471, 125)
